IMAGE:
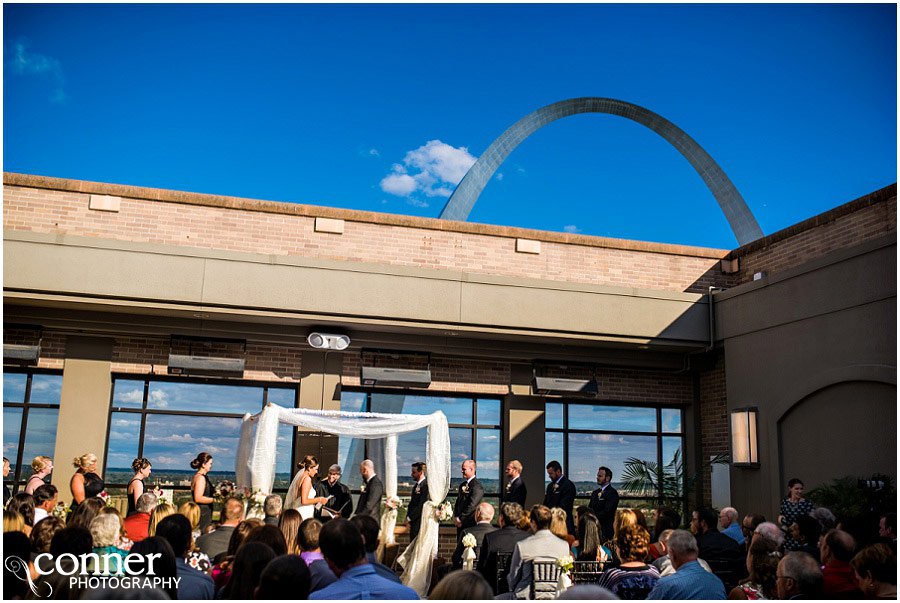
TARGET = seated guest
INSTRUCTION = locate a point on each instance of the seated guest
(762, 563)
(270, 535)
(690, 580)
(221, 571)
(13, 522)
(105, 534)
(191, 510)
(23, 504)
(587, 592)
(798, 577)
(711, 543)
(249, 563)
(876, 571)
(286, 577)
(542, 546)
(589, 546)
(344, 550)
(484, 514)
(632, 579)
(825, 517)
(43, 533)
(664, 563)
(45, 499)
(74, 541)
(161, 511)
(769, 530)
(835, 551)
(193, 584)
(368, 528)
(84, 514)
(289, 524)
(667, 518)
(272, 509)
(215, 543)
(806, 532)
(887, 529)
(308, 538)
(153, 557)
(462, 585)
(500, 541)
(123, 541)
(748, 527)
(728, 521)
(137, 524)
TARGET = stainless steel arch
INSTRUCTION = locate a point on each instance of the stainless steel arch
(737, 213)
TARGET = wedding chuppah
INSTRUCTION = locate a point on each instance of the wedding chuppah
(255, 466)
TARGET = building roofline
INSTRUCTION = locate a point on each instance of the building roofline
(350, 215)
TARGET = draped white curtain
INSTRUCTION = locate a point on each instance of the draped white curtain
(255, 465)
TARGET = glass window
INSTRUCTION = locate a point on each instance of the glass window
(45, 389)
(460, 450)
(14, 388)
(201, 397)
(488, 411)
(40, 434)
(12, 425)
(283, 468)
(128, 394)
(457, 410)
(124, 437)
(553, 446)
(488, 459)
(353, 401)
(671, 420)
(612, 418)
(589, 451)
(553, 414)
(670, 446)
(171, 442)
(281, 397)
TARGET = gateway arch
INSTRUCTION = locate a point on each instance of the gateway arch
(463, 199)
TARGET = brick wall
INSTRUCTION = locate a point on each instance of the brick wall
(629, 385)
(205, 221)
(448, 374)
(861, 220)
(714, 428)
(53, 346)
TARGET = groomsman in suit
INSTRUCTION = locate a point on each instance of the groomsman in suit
(604, 501)
(468, 498)
(417, 500)
(515, 488)
(560, 493)
(372, 490)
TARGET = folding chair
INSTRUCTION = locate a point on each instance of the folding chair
(587, 572)
(500, 584)
(545, 575)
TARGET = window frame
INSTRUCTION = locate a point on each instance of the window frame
(144, 411)
(26, 405)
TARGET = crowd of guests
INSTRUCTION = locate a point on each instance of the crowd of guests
(806, 553)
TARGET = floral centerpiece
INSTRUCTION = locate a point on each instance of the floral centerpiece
(224, 490)
(255, 500)
(444, 512)
(61, 510)
(393, 502)
(469, 542)
(160, 496)
(565, 563)
(106, 498)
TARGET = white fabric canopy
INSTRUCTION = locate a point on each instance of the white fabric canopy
(255, 465)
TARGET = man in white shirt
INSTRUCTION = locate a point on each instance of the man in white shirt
(45, 499)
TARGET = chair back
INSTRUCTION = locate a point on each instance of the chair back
(587, 572)
(725, 570)
(545, 575)
(500, 584)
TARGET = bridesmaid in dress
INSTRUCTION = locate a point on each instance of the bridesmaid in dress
(85, 483)
(42, 466)
(202, 490)
(141, 468)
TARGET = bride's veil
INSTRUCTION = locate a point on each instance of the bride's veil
(291, 497)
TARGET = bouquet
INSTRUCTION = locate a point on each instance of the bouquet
(106, 498)
(469, 541)
(393, 502)
(444, 512)
(224, 489)
(160, 496)
(255, 500)
(565, 563)
(61, 510)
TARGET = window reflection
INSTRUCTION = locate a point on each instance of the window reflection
(589, 451)
(12, 425)
(171, 442)
(553, 446)
(201, 397)
(281, 397)
(40, 435)
(488, 461)
(460, 450)
(488, 411)
(553, 415)
(670, 446)
(671, 420)
(128, 394)
(45, 389)
(124, 437)
(14, 388)
(611, 418)
(457, 410)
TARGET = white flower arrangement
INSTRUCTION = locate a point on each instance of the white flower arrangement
(61, 510)
(469, 541)
(393, 502)
(106, 498)
(160, 496)
(444, 512)
(565, 563)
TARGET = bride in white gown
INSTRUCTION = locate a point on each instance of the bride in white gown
(300, 494)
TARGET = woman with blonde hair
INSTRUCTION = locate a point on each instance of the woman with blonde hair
(156, 515)
(42, 466)
(23, 504)
(289, 525)
(558, 525)
(191, 510)
(465, 585)
(13, 522)
(301, 492)
(123, 542)
(85, 483)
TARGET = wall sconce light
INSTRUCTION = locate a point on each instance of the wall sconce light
(744, 449)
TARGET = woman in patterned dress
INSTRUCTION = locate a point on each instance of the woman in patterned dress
(792, 507)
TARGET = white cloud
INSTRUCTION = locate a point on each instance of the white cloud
(571, 228)
(374, 153)
(432, 170)
(499, 175)
(158, 398)
(25, 62)
(134, 396)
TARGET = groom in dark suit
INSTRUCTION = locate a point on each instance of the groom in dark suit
(604, 501)
(560, 493)
(515, 490)
(468, 498)
(417, 500)
(372, 490)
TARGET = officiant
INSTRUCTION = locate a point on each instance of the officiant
(338, 494)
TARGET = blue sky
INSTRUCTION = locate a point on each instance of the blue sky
(340, 104)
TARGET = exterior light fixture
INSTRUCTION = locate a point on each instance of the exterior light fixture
(328, 341)
(744, 448)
